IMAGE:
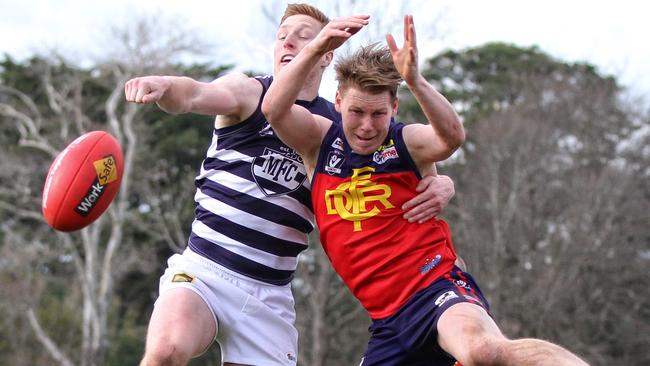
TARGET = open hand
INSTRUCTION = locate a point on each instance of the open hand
(336, 32)
(405, 58)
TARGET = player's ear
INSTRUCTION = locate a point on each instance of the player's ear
(337, 101)
(327, 59)
(395, 105)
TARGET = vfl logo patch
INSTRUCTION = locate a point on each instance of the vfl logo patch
(183, 277)
(351, 199)
(278, 173)
(463, 284)
(334, 162)
(106, 170)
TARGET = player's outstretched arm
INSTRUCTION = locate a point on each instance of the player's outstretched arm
(227, 95)
(445, 133)
(295, 125)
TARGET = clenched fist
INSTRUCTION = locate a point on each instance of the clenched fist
(146, 90)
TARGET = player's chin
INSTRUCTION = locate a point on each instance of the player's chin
(365, 146)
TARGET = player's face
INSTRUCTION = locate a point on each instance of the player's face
(294, 33)
(366, 118)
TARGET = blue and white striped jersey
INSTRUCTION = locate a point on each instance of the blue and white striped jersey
(253, 203)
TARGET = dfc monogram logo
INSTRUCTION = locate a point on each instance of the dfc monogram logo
(350, 199)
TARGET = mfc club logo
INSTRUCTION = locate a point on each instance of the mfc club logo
(350, 200)
(277, 173)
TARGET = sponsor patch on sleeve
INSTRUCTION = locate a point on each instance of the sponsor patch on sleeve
(183, 277)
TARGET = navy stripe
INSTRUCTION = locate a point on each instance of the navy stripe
(254, 206)
(240, 169)
(249, 237)
(238, 263)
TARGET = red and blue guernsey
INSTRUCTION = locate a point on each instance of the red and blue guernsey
(382, 258)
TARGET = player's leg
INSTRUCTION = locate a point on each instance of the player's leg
(181, 327)
(467, 332)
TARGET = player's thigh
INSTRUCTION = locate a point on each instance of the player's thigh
(181, 318)
(464, 327)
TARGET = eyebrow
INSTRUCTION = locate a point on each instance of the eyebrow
(299, 25)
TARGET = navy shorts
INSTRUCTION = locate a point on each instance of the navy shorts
(409, 337)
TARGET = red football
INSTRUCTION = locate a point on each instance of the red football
(82, 181)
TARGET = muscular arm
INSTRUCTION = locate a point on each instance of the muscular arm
(295, 125)
(232, 95)
(444, 132)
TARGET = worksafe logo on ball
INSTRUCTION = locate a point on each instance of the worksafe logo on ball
(278, 172)
(106, 169)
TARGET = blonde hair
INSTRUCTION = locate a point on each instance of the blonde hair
(305, 9)
(370, 69)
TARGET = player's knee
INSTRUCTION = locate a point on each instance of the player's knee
(487, 352)
(165, 354)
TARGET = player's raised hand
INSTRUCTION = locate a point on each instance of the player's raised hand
(405, 58)
(146, 90)
(337, 31)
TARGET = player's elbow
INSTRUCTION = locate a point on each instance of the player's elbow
(455, 137)
(267, 109)
(458, 137)
(451, 143)
(270, 111)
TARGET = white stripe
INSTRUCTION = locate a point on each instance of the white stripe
(259, 256)
(251, 221)
(226, 156)
(230, 155)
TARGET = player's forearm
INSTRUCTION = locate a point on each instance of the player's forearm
(287, 84)
(439, 112)
(179, 95)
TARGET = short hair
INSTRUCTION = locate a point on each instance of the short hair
(370, 69)
(305, 9)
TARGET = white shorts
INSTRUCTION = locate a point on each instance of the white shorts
(255, 319)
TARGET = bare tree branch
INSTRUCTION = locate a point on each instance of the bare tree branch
(46, 341)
